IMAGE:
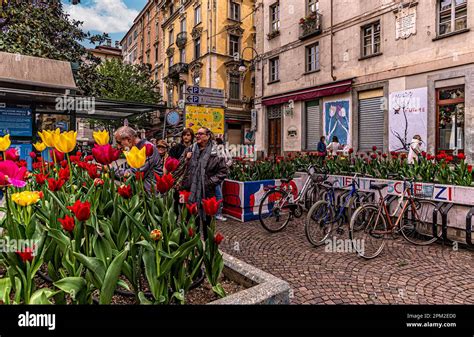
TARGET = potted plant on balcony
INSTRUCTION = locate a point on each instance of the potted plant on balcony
(273, 34)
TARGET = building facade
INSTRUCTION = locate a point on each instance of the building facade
(372, 73)
(107, 52)
(204, 42)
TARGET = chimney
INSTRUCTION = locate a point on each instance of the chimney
(109, 43)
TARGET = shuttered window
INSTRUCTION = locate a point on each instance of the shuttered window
(313, 122)
(371, 123)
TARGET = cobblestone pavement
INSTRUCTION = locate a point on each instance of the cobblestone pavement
(402, 274)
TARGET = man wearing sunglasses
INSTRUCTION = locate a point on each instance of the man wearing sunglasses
(126, 138)
(206, 170)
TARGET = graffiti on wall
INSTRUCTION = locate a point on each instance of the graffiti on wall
(336, 121)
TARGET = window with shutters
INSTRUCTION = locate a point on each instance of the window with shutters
(274, 69)
(312, 57)
(234, 87)
(312, 125)
(371, 39)
(371, 122)
(275, 17)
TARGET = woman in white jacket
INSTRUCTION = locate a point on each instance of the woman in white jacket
(415, 149)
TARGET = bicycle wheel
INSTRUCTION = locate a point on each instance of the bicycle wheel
(353, 204)
(318, 224)
(417, 225)
(274, 211)
(365, 231)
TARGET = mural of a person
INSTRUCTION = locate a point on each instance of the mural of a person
(337, 120)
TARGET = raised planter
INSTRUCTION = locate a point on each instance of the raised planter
(242, 198)
(262, 287)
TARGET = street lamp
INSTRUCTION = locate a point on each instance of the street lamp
(243, 67)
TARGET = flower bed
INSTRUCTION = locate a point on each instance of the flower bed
(69, 218)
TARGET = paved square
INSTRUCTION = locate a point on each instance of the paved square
(402, 274)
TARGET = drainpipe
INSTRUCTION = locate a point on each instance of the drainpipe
(332, 42)
(209, 41)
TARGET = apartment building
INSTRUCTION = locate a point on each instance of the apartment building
(372, 73)
(204, 43)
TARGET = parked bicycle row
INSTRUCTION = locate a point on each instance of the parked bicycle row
(367, 216)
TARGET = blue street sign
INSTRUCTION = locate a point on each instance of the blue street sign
(16, 121)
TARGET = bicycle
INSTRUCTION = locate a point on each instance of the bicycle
(325, 213)
(279, 206)
(369, 222)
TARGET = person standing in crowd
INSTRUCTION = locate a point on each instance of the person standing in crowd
(162, 147)
(206, 170)
(126, 138)
(224, 152)
(322, 147)
(153, 141)
(334, 146)
(187, 139)
(415, 149)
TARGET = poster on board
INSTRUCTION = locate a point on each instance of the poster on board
(336, 121)
(212, 118)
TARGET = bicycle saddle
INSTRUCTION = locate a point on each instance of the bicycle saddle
(378, 186)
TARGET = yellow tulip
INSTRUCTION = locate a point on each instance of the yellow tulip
(101, 137)
(5, 143)
(48, 137)
(136, 158)
(65, 142)
(26, 198)
(39, 146)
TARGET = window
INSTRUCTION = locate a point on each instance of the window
(312, 125)
(197, 15)
(171, 37)
(312, 6)
(135, 34)
(274, 69)
(148, 16)
(197, 48)
(148, 37)
(452, 16)
(371, 39)
(234, 11)
(183, 25)
(450, 106)
(170, 61)
(275, 17)
(182, 91)
(312, 57)
(148, 57)
(234, 87)
(234, 45)
(171, 8)
(182, 55)
(170, 96)
(124, 46)
(156, 53)
(130, 40)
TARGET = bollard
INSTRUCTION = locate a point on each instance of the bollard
(469, 227)
(444, 219)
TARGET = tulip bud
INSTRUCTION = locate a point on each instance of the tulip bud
(156, 235)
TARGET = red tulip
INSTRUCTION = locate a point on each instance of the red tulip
(139, 175)
(150, 148)
(218, 238)
(156, 235)
(12, 154)
(64, 173)
(449, 158)
(165, 183)
(75, 159)
(211, 206)
(351, 150)
(89, 158)
(192, 208)
(374, 148)
(384, 155)
(41, 178)
(4, 180)
(92, 171)
(105, 154)
(21, 163)
(373, 156)
(41, 194)
(125, 191)
(171, 164)
(67, 223)
(98, 182)
(469, 168)
(461, 156)
(56, 154)
(184, 196)
(33, 155)
(190, 232)
(82, 210)
(26, 254)
(63, 163)
(55, 185)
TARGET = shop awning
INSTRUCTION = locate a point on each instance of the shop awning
(310, 93)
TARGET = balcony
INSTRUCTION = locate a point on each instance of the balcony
(181, 40)
(310, 26)
(178, 68)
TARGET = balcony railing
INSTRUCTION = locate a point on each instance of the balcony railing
(310, 26)
(178, 68)
(181, 40)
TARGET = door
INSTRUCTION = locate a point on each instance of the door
(274, 130)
